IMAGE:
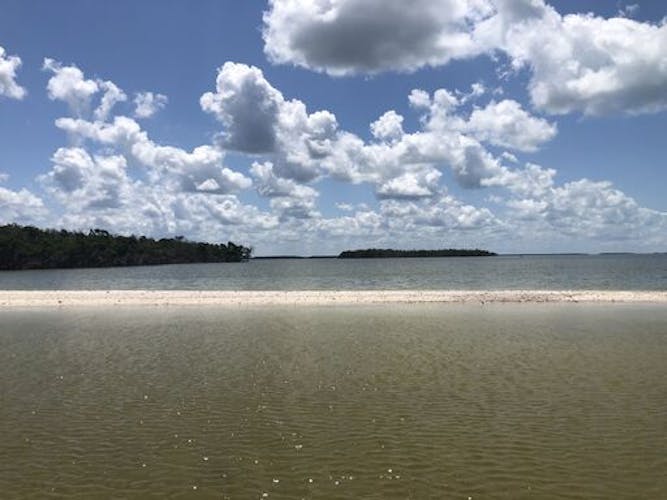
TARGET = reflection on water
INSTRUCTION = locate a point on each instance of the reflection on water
(545, 272)
(503, 401)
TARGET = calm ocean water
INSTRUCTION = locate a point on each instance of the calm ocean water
(402, 402)
(605, 272)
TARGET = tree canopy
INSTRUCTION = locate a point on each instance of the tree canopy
(27, 247)
(374, 253)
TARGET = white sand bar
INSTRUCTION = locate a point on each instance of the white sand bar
(100, 298)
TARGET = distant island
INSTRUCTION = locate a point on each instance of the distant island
(27, 247)
(293, 257)
(375, 253)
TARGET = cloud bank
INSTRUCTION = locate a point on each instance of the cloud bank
(420, 165)
(577, 62)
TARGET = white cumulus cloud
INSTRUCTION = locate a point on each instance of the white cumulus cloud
(350, 36)
(582, 62)
(257, 119)
(111, 96)
(21, 207)
(507, 124)
(247, 105)
(8, 67)
(69, 84)
(86, 182)
(148, 103)
(201, 169)
(578, 62)
(388, 127)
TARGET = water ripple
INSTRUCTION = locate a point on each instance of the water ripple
(408, 402)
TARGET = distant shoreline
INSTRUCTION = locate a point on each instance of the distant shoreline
(103, 298)
(557, 254)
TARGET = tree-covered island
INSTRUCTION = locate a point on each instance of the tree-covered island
(27, 247)
(375, 253)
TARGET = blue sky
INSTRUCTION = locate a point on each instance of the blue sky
(514, 125)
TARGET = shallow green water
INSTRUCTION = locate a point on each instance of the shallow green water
(422, 401)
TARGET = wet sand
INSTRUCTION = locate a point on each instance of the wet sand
(101, 298)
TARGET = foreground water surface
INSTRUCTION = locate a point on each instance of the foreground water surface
(377, 402)
(542, 272)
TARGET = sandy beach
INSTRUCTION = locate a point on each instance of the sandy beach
(103, 298)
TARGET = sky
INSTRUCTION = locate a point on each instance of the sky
(315, 126)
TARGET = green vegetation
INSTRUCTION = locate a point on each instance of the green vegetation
(32, 248)
(375, 253)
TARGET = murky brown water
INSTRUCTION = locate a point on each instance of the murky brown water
(423, 401)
